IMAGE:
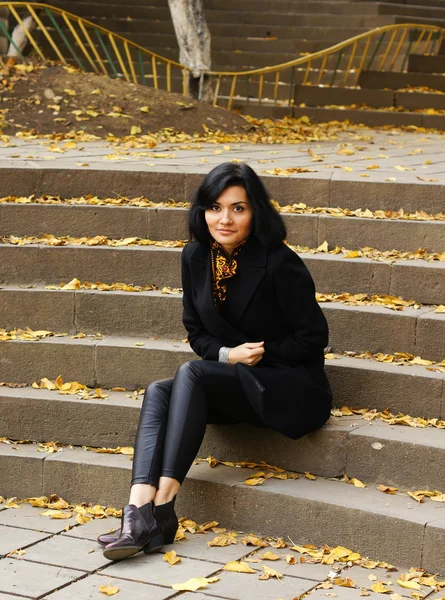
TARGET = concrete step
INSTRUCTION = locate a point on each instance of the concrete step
(244, 26)
(140, 9)
(108, 179)
(248, 17)
(171, 224)
(381, 79)
(419, 279)
(373, 328)
(161, 42)
(424, 4)
(416, 20)
(228, 60)
(318, 512)
(420, 11)
(322, 96)
(240, 60)
(344, 444)
(118, 362)
(419, 100)
(373, 118)
(419, 63)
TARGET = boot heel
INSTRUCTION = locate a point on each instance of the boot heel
(156, 543)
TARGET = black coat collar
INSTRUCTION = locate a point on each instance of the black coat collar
(252, 261)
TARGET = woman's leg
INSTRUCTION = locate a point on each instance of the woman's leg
(171, 428)
(149, 444)
(199, 384)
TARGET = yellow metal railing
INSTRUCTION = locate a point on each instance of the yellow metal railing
(62, 36)
(59, 35)
(383, 49)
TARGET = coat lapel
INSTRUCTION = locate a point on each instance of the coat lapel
(250, 271)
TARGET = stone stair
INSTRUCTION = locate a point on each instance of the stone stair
(254, 36)
(142, 339)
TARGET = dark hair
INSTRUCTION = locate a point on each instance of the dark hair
(268, 225)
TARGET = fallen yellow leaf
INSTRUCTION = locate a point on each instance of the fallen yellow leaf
(380, 588)
(269, 556)
(194, 584)
(268, 573)
(410, 585)
(346, 582)
(238, 567)
(172, 558)
(56, 514)
(109, 590)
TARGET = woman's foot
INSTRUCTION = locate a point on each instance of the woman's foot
(139, 531)
(164, 514)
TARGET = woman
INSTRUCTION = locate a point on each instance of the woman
(251, 314)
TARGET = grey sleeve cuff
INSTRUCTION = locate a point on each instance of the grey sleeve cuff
(223, 354)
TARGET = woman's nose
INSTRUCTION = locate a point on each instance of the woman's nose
(225, 217)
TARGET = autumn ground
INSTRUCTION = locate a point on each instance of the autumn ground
(49, 545)
(57, 120)
(56, 99)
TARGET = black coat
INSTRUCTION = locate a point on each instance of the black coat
(271, 298)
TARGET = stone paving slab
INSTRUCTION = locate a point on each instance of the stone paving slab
(152, 568)
(196, 546)
(28, 517)
(64, 551)
(361, 578)
(90, 530)
(33, 579)
(196, 596)
(88, 589)
(341, 593)
(249, 587)
(19, 539)
(437, 595)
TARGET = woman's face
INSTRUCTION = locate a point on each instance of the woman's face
(229, 219)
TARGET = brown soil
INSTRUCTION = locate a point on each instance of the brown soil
(44, 100)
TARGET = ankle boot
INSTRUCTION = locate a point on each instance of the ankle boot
(139, 531)
(165, 516)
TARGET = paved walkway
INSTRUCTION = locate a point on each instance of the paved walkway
(357, 155)
(51, 562)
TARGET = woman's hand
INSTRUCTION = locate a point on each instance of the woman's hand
(249, 353)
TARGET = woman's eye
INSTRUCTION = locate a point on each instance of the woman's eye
(240, 208)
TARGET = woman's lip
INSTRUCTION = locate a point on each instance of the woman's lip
(225, 230)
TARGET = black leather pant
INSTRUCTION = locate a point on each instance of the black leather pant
(174, 415)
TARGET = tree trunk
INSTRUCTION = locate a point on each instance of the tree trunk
(20, 41)
(19, 36)
(193, 38)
